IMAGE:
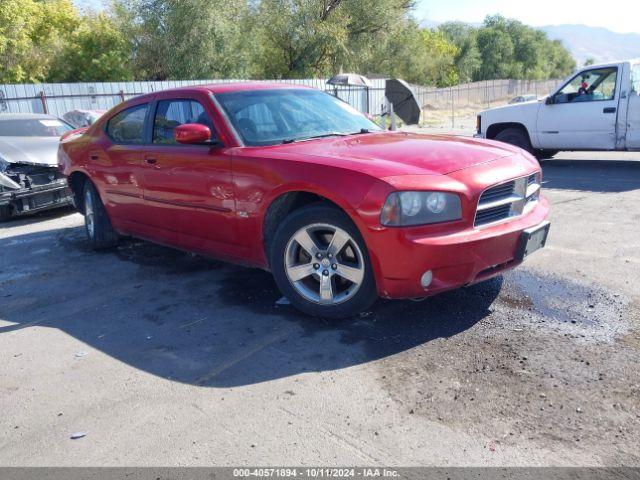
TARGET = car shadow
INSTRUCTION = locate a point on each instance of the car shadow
(604, 176)
(37, 217)
(202, 322)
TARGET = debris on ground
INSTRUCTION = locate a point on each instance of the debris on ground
(77, 435)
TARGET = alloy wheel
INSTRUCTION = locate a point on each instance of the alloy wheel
(324, 264)
(89, 215)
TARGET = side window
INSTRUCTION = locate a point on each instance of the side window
(590, 86)
(172, 113)
(128, 125)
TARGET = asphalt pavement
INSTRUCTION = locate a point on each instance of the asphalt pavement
(163, 358)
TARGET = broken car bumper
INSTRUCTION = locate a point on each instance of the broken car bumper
(34, 198)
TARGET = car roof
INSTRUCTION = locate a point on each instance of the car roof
(225, 87)
(612, 63)
(26, 116)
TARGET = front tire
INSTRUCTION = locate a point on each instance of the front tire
(545, 154)
(98, 227)
(515, 136)
(5, 213)
(321, 264)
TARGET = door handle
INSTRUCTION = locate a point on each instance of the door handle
(93, 157)
(609, 110)
(150, 161)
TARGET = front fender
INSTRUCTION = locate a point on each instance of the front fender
(524, 114)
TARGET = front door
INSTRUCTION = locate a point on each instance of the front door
(188, 189)
(583, 115)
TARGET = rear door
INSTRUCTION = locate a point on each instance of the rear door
(188, 188)
(583, 115)
(115, 164)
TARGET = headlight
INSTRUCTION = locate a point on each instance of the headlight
(420, 208)
(5, 181)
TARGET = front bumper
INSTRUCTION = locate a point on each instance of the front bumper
(455, 260)
(43, 197)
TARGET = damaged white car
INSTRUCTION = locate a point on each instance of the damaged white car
(29, 177)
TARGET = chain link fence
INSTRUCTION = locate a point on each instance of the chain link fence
(59, 98)
(456, 107)
(452, 107)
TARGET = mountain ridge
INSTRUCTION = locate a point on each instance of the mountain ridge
(599, 43)
(584, 42)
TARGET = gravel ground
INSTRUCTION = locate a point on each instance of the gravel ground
(163, 358)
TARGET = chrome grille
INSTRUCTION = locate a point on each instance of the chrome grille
(499, 192)
(507, 199)
(494, 214)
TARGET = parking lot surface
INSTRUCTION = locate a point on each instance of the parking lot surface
(164, 358)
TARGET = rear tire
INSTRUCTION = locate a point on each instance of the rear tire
(320, 263)
(98, 227)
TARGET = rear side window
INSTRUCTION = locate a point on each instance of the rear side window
(173, 113)
(128, 125)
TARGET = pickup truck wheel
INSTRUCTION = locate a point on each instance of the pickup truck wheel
(545, 154)
(517, 137)
(321, 264)
(98, 227)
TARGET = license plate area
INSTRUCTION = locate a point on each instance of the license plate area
(533, 239)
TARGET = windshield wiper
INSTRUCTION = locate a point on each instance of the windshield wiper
(322, 135)
(328, 134)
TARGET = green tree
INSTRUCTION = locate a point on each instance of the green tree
(300, 38)
(197, 39)
(559, 63)
(401, 54)
(176, 39)
(440, 67)
(510, 49)
(467, 60)
(496, 51)
(31, 34)
(96, 51)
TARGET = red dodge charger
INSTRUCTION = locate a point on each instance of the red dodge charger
(294, 180)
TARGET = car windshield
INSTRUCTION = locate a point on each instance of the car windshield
(33, 127)
(269, 117)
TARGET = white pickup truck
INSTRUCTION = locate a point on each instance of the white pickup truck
(597, 108)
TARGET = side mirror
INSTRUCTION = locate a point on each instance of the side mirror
(550, 100)
(190, 133)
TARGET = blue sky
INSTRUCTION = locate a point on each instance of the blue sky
(616, 15)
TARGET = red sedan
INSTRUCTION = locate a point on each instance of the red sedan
(293, 180)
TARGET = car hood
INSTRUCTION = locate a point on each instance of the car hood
(400, 153)
(513, 109)
(30, 150)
